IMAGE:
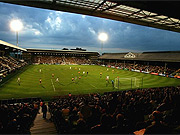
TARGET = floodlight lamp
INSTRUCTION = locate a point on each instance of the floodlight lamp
(103, 37)
(16, 25)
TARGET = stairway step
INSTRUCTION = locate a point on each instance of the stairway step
(43, 126)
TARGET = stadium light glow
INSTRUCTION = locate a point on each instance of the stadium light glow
(16, 25)
(103, 37)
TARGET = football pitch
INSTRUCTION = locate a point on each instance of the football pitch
(83, 83)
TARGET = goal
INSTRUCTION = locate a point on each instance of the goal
(133, 82)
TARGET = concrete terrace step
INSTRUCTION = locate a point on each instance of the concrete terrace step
(43, 126)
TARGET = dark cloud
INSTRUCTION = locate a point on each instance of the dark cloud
(52, 29)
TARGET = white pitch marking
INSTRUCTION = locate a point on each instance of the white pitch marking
(93, 86)
(6, 82)
(53, 85)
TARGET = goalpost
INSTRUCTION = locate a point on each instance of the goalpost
(132, 82)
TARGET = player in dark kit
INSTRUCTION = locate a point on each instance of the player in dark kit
(101, 75)
(72, 79)
(40, 81)
(112, 81)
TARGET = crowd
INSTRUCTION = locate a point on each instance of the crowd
(17, 118)
(60, 60)
(76, 60)
(8, 65)
(129, 66)
(48, 59)
(154, 110)
(143, 67)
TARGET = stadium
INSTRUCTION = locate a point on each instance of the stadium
(76, 91)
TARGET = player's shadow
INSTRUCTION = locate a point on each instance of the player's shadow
(42, 86)
(70, 83)
(75, 82)
(61, 84)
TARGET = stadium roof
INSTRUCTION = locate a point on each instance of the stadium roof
(166, 56)
(60, 51)
(4, 45)
(157, 14)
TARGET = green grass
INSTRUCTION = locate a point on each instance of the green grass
(90, 83)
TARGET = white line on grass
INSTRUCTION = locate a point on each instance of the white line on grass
(93, 86)
(69, 90)
(53, 85)
(6, 81)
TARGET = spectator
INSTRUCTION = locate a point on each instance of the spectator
(81, 127)
(104, 127)
(86, 110)
(157, 126)
(65, 112)
(17, 118)
(44, 110)
(120, 127)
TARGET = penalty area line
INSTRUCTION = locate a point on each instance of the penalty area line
(53, 85)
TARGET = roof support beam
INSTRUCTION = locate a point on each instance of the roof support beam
(99, 5)
(110, 7)
(146, 16)
(135, 13)
(161, 20)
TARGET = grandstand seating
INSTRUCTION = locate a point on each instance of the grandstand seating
(8, 65)
(177, 72)
(117, 112)
(17, 118)
(60, 60)
(122, 112)
(142, 67)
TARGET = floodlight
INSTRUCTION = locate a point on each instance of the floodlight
(16, 25)
(103, 37)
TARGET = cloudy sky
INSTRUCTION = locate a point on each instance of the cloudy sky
(48, 29)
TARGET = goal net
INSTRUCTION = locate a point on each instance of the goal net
(133, 82)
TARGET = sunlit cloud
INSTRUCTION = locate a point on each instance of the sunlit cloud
(37, 33)
(60, 29)
(83, 16)
(92, 31)
(54, 21)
